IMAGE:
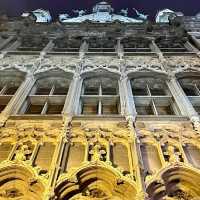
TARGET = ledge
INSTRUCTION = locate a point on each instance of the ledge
(102, 117)
(36, 117)
(161, 118)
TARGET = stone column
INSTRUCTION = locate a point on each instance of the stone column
(5, 42)
(154, 48)
(83, 49)
(190, 47)
(18, 99)
(127, 102)
(181, 99)
(73, 96)
(14, 46)
(195, 40)
(47, 48)
(119, 48)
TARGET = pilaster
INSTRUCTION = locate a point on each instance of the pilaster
(83, 49)
(47, 48)
(16, 102)
(195, 40)
(182, 101)
(72, 100)
(153, 46)
(5, 42)
(119, 48)
(127, 102)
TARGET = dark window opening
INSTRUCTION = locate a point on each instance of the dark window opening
(2, 107)
(89, 109)
(109, 91)
(54, 109)
(110, 110)
(91, 91)
(34, 109)
(60, 91)
(144, 110)
(164, 110)
(189, 91)
(139, 92)
(11, 90)
(43, 91)
(157, 92)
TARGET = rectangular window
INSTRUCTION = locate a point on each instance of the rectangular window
(47, 97)
(89, 109)
(54, 109)
(144, 110)
(100, 97)
(34, 109)
(109, 109)
(152, 97)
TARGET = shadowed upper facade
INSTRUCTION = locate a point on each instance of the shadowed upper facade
(97, 109)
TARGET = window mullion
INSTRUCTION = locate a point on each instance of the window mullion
(100, 90)
(154, 107)
(99, 107)
(45, 107)
(197, 89)
(52, 90)
(3, 90)
(148, 90)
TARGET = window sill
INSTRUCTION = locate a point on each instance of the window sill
(161, 118)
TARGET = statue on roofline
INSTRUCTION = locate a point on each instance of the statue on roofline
(124, 12)
(80, 12)
(141, 15)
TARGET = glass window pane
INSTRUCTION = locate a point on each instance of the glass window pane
(43, 91)
(139, 92)
(144, 110)
(110, 109)
(157, 92)
(11, 90)
(34, 109)
(164, 110)
(54, 109)
(60, 91)
(91, 91)
(89, 109)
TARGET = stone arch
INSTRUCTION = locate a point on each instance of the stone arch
(13, 71)
(97, 182)
(12, 76)
(189, 74)
(174, 181)
(53, 72)
(100, 71)
(18, 181)
(145, 71)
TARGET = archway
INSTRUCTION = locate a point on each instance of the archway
(96, 182)
(19, 182)
(175, 183)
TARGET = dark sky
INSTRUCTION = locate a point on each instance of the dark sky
(16, 7)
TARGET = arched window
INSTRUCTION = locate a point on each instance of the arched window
(191, 87)
(153, 97)
(100, 96)
(47, 96)
(9, 83)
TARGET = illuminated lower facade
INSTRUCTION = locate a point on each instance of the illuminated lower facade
(105, 111)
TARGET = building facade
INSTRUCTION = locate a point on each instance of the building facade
(100, 106)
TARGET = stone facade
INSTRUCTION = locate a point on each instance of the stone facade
(100, 110)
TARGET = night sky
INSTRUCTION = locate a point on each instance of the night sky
(16, 7)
